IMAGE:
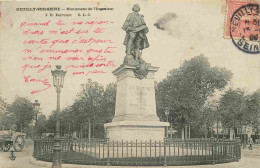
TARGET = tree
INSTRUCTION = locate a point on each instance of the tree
(21, 111)
(108, 103)
(232, 108)
(208, 117)
(238, 109)
(186, 89)
(79, 116)
(92, 94)
(253, 108)
(86, 116)
(42, 125)
(107, 110)
(51, 123)
(5, 122)
(85, 111)
(68, 121)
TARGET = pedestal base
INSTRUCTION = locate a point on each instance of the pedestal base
(136, 130)
(135, 113)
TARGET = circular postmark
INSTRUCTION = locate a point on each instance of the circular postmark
(244, 28)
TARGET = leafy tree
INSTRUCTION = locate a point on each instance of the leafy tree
(21, 111)
(252, 111)
(108, 103)
(186, 89)
(93, 107)
(253, 108)
(232, 108)
(67, 121)
(5, 121)
(42, 125)
(92, 95)
(208, 117)
(238, 109)
(107, 110)
(85, 112)
(79, 116)
(51, 123)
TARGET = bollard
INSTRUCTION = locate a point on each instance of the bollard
(12, 156)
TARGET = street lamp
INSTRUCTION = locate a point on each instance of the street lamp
(58, 79)
(167, 112)
(36, 106)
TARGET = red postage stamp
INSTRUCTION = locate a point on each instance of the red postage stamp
(242, 25)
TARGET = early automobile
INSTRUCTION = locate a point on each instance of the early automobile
(10, 138)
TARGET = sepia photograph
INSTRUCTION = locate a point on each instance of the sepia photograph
(129, 84)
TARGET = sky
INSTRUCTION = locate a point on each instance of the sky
(190, 28)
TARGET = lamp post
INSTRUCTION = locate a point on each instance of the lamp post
(167, 112)
(58, 79)
(36, 106)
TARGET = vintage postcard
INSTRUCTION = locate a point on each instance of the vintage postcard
(130, 83)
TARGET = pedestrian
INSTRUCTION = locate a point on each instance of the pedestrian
(244, 144)
(250, 144)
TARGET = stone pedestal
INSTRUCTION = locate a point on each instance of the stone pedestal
(135, 113)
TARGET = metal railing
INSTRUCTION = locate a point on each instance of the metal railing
(145, 153)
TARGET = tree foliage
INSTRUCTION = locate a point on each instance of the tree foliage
(42, 125)
(94, 106)
(108, 103)
(21, 112)
(232, 105)
(253, 108)
(186, 89)
(239, 109)
(5, 121)
(186, 92)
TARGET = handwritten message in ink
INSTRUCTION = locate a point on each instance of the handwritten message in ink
(81, 46)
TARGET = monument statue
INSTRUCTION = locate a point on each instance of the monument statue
(135, 39)
(135, 112)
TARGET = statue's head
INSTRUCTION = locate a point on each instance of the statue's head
(136, 8)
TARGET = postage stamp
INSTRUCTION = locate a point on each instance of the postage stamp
(242, 25)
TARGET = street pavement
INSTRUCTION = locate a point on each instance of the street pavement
(24, 159)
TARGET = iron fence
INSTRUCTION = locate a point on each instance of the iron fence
(141, 153)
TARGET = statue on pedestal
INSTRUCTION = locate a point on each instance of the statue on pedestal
(135, 112)
(135, 40)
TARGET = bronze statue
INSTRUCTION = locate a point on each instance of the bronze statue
(136, 30)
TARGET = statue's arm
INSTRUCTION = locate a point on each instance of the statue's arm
(126, 25)
(146, 30)
(142, 19)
